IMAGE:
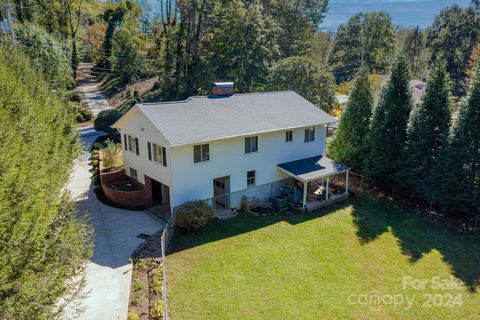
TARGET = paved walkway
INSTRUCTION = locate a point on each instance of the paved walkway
(88, 87)
(108, 273)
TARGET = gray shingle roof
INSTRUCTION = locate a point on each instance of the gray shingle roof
(205, 118)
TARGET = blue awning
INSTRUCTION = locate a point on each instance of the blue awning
(312, 168)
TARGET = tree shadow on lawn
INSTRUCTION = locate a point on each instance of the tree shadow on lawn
(243, 223)
(418, 234)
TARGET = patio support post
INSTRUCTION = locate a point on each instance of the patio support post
(326, 194)
(305, 185)
(346, 183)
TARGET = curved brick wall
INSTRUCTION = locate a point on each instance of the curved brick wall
(132, 199)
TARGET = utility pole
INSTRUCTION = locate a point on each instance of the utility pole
(10, 24)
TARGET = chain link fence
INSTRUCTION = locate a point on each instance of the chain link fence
(165, 241)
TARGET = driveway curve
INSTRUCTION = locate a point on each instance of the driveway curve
(108, 273)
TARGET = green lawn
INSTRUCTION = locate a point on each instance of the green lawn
(308, 267)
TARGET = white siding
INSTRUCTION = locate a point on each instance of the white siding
(227, 158)
(140, 127)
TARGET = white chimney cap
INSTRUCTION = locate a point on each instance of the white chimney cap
(223, 84)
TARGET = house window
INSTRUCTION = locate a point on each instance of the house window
(288, 136)
(251, 144)
(157, 153)
(133, 174)
(201, 153)
(309, 134)
(250, 178)
(132, 143)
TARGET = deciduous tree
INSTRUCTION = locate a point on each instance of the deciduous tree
(308, 79)
(366, 35)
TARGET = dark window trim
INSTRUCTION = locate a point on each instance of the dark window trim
(252, 178)
(164, 156)
(249, 145)
(204, 155)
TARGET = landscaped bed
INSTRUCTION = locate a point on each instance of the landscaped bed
(324, 266)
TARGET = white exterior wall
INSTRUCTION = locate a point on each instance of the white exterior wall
(228, 158)
(140, 127)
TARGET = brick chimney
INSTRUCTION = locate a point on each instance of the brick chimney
(222, 88)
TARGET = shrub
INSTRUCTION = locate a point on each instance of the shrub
(157, 309)
(105, 119)
(75, 97)
(157, 276)
(132, 315)
(86, 115)
(95, 155)
(111, 154)
(194, 215)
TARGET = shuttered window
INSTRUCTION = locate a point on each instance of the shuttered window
(164, 156)
(288, 136)
(149, 145)
(125, 142)
(133, 144)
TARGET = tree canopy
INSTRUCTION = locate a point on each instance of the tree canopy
(453, 35)
(366, 35)
(303, 76)
(46, 54)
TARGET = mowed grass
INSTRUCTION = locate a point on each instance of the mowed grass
(322, 266)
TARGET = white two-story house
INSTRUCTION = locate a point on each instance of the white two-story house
(224, 144)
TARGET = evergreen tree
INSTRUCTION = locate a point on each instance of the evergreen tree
(388, 130)
(349, 144)
(455, 180)
(42, 244)
(427, 130)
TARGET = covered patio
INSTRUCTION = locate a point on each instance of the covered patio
(315, 176)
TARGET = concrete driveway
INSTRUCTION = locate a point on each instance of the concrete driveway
(108, 273)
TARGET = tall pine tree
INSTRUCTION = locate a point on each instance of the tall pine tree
(388, 130)
(350, 140)
(427, 131)
(455, 180)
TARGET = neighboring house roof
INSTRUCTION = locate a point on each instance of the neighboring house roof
(417, 87)
(206, 118)
(341, 99)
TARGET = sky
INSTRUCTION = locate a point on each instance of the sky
(403, 12)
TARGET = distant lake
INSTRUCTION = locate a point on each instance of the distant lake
(403, 12)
